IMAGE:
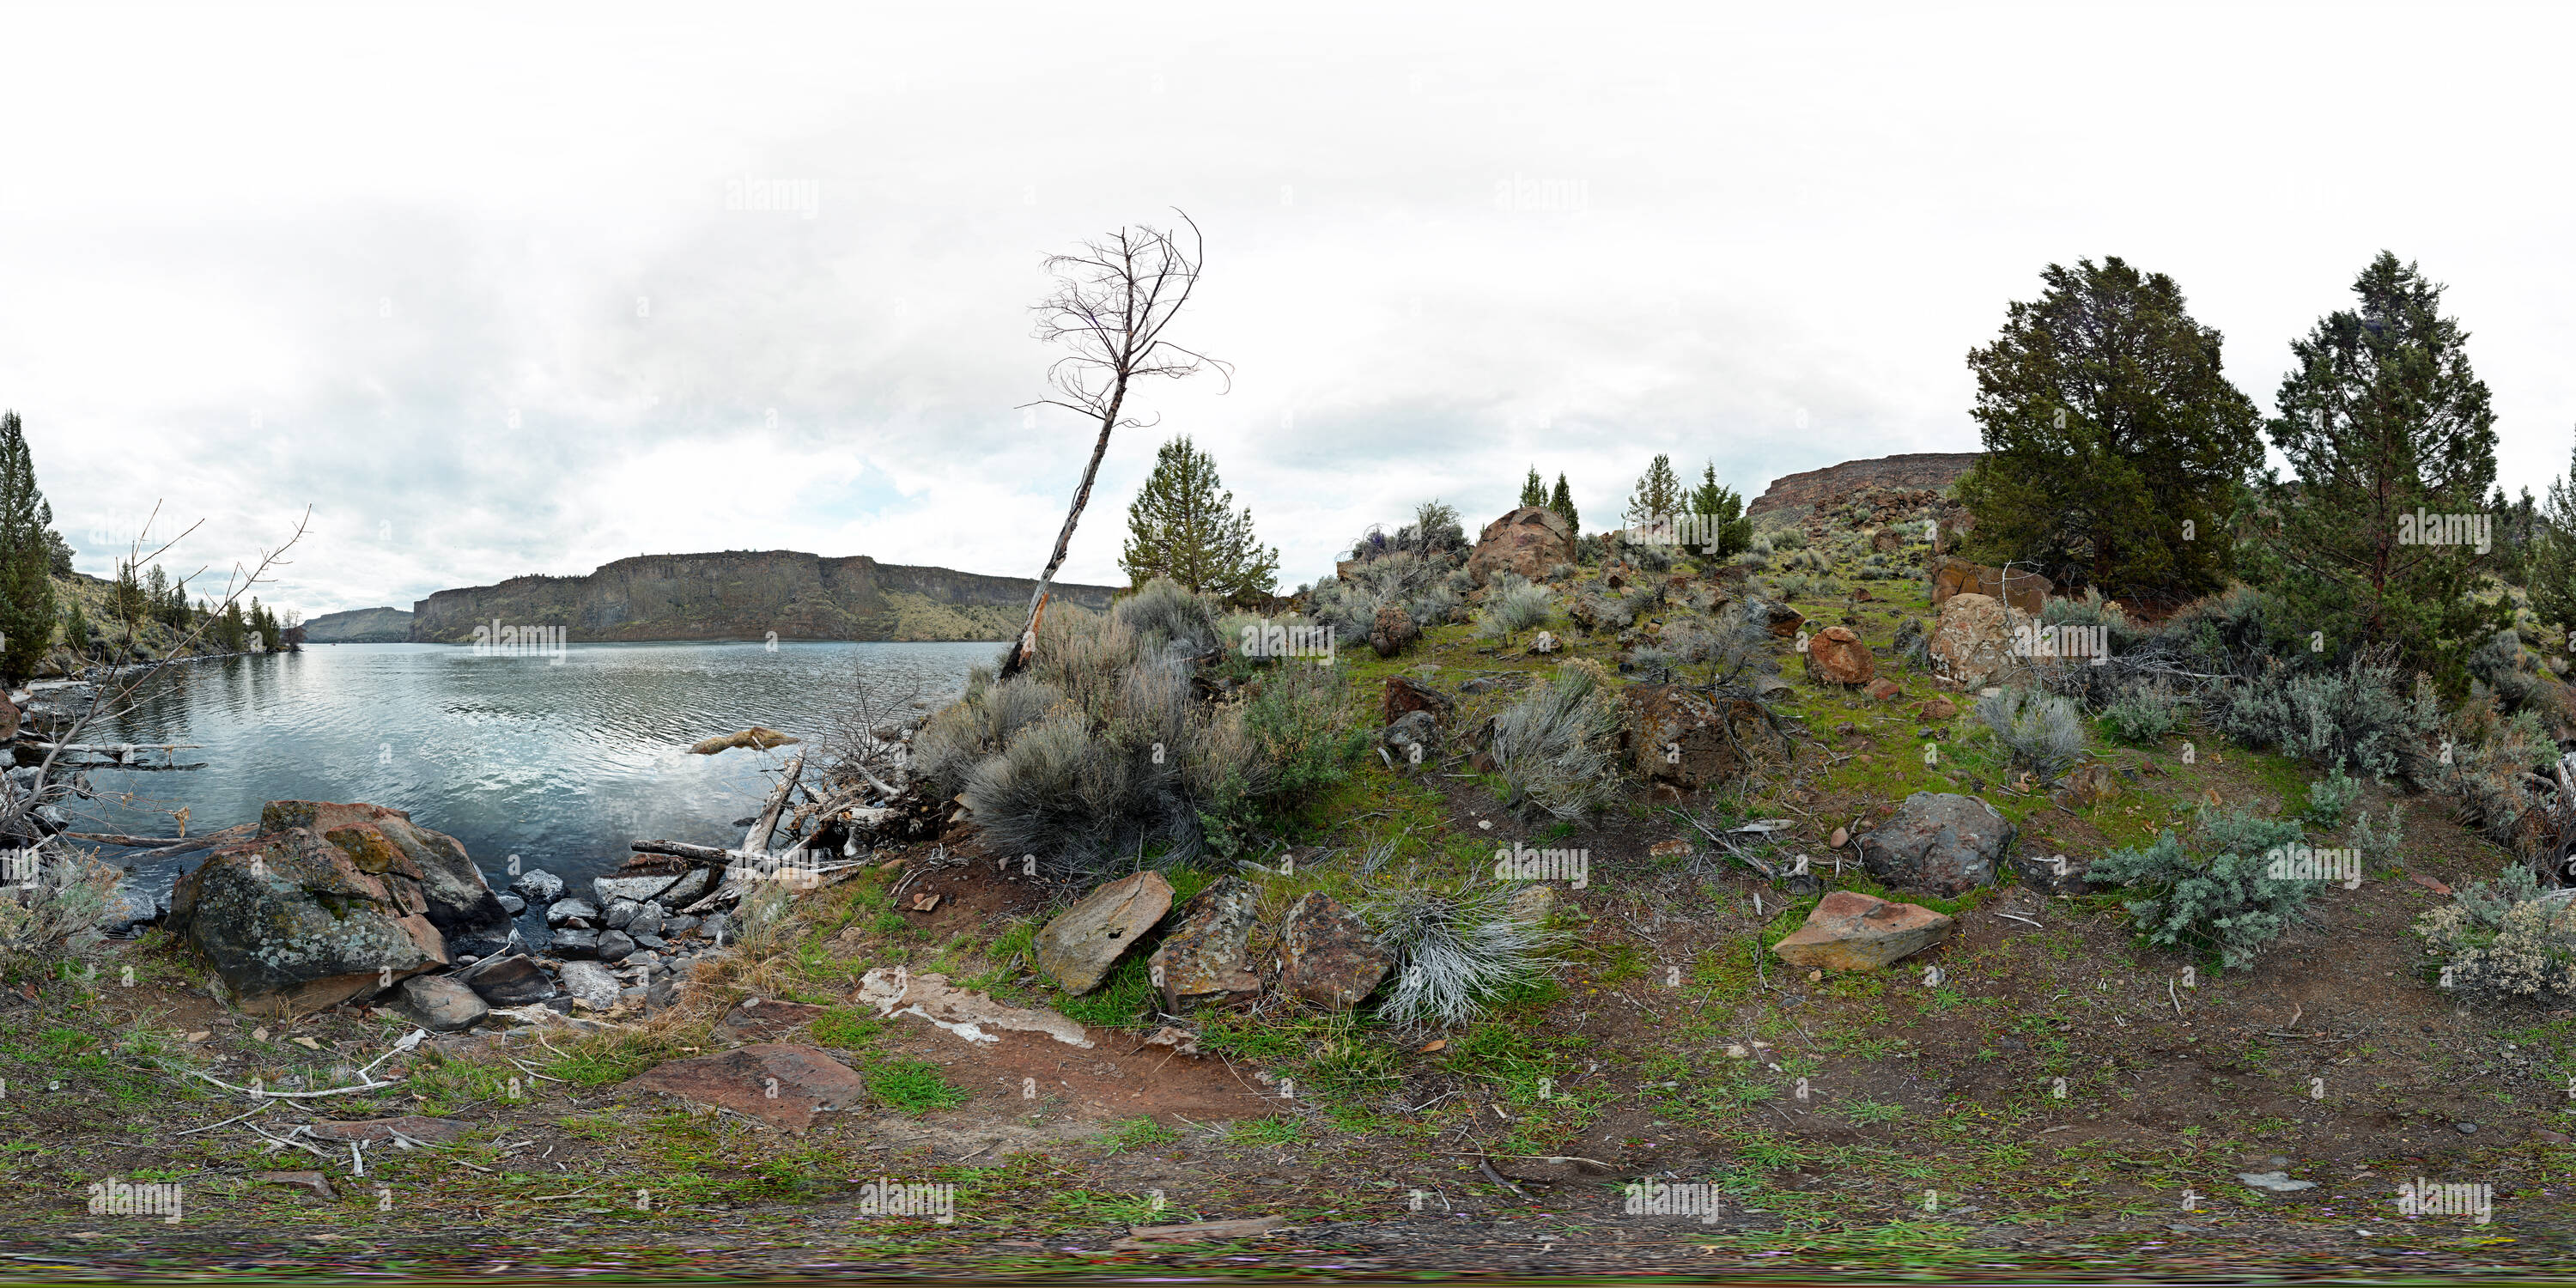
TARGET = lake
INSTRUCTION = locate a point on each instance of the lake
(558, 763)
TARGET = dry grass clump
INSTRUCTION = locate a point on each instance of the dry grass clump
(1455, 953)
(1558, 746)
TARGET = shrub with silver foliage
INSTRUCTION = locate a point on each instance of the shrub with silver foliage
(2504, 939)
(1558, 746)
(2040, 732)
(1454, 953)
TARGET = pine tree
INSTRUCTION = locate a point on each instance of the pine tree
(26, 562)
(1658, 494)
(1533, 490)
(2550, 578)
(2382, 420)
(1729, 533)
(2114, 444)
(1563, 504)
(76, 630)
(125, 597)
(1182, 526)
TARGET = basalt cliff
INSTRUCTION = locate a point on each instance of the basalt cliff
(748, 595)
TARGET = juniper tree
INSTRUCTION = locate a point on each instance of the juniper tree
(1563, 503)
(1533, 490)
(26, 560)
(1721, 512)
(2550, 573)
(2382, 420)
(1183, 527)
(1658, 494)
(2114, 444)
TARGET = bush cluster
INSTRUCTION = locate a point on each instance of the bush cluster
(2214, 895)
(2503, 939)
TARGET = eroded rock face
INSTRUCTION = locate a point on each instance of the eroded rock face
(1972, 644)
(1938, 842)
(2023, 589)
(779, 1083)
(1527, 541)
(460, 902)
(1678, 735)
(1329, 957)
(1838, 657)
(1203, 957)
(290, 921)
(1078, 948)
(1853, 931)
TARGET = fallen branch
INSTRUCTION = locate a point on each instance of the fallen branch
(293, 1095)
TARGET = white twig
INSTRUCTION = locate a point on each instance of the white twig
(292, 1095)
(409, 1041)
(2023, 920)
(264, 1107)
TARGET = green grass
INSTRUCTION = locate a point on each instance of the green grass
(1138, 1133)
(914, 1086)
(1119, 1002)
(847, 1029)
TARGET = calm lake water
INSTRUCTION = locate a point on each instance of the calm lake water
(560, 764)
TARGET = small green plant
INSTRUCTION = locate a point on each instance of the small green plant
(1266, 1131)
(1872, 1111)
(1138, 1133)
(2039, 732)
(914, 1086)
(1455, 953)
(2221, 898)
(1119, 1001)
(2145, 713)
(2332, 797)
(2381, 847)
(846, 1029)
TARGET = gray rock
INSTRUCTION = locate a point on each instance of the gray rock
(537, 885)
(513, 980)
(696, 885)
(646, 921)
(608, 890)
(1204, 954)
(1414, 739)
(649, 941)
(439, 1003)
(718, 929)
(590, 984)
(1079, 946)
(615, 946)
(676, 925)
(615, 915)
(570, 944)
(2276, 1182)
(563, 910)
(513, 904)
(1938, 842)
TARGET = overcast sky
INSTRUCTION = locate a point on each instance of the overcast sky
(488, 288)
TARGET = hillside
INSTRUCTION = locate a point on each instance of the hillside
(360, 626)
(745, 594)
(1794, 496)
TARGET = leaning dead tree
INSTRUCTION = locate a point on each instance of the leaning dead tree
(1111, 305)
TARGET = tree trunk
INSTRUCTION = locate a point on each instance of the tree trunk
(1028, 644)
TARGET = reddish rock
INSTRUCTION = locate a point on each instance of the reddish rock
(1884, 689)
(2025, 590)
(1392, 630)
(1783, 620)
(1203, 957)
(780, 1084)
(1937, 709)
(1887, 541)
(1678, 735)
(9, 716)
(767, 1019)
(1528, 541)
(1853, 931)
(1838, 657)
(1328, 956)
(1404, 694)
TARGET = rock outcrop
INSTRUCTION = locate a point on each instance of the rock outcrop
(2020, 587)
(1527, 541)
(1801, 493)
(292, 922)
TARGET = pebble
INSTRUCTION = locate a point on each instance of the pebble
(2465, 1129)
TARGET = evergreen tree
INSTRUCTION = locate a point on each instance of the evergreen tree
(2550, 574)
(1533, 489)
(1563, 504)
(125, 597)
(175, 610)
(2382, 420)
(76, 629)
(1182, 526)
(2114, 444)
(1722, 511)
(26, 562)
(1658, 494)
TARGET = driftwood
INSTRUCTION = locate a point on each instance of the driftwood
(164, 844)
(684, 850)
(766, 825)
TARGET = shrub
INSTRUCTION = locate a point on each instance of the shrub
(1513, 608)
(2510, 670)
(2486, 770)
(2038, 731)
(2332, 797)
(2382, 848)
(2353, 715)
(1558, 746)
(1454, 953)
(2502, 939)
(2091, 610)
(2145, 712)
(2220, 899)
(1162, 617)
(1789, 539)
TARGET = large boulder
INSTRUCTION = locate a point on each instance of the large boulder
(1972, 645)
(1528, 541)
(2022, 588)
(1678, 735)
(1853, 931)
(1328, 957)
(1204, 957)
(1391, 630)
(292, 923)
(1078, 948)
(464, 907)
(1938, 842)
(1838, 657)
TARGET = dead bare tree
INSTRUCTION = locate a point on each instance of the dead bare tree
(1111, 304)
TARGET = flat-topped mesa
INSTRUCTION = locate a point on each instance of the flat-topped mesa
(748, 594)
(1798, 494)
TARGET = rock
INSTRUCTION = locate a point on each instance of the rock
(1672, 849)
(2548, 1137)
(1078, 948)
(1543, 643)
(646, 923)
(571, 944)
(536, 885)
(767, 1019)
(1404, 695)
(2054, 874)
(1534, 904)
(128, 909)
(1481, 684)
(2276, 1182)
(9, 715)
(1203, 956)
(1838, 657)
(1528, 541)
(607, 890)
(1882, 689)
(718, 929)
(1972, 644)
(1782, 620)
(1937, 709)
(1909, 638)
(591, 984)
(2089, 785)
(513, 904)
(1772, 685)
(413, 1127)
(1412, 740)
(2465, 1129)
(291, 921)
(568, 910)
(512, 980)
(1938, 842)
(755, 737)
(1953, 576)
(1853, 931)
(1329, 956)
(1392, 630)
(616, 946)
(615, 914)
(781, 1084)
(439, 1003)
(1887, 541)
(313, 1183)
(676, 925)
(693, 885)
(967, 1014)
(1671, 733)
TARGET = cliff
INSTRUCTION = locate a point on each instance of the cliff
(745, 594)
(359, 626)
(1793, 496)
